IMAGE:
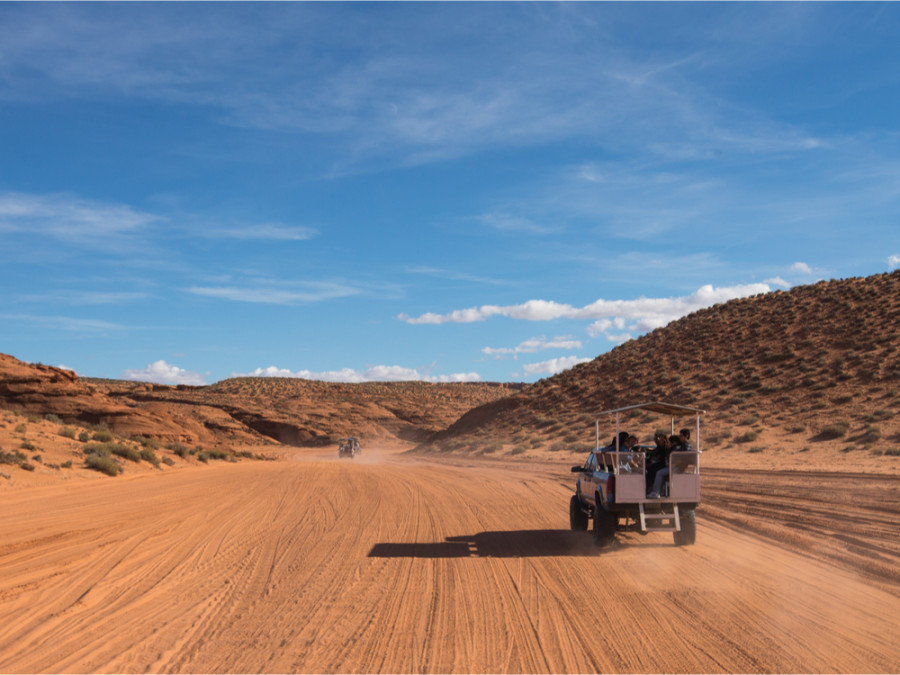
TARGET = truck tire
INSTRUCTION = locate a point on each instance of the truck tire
(604, 526)
(688, 534)
(578, 519)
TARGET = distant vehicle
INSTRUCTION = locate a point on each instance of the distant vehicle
(349, 447)
(612, 486)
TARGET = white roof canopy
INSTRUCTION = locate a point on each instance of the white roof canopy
(672, 409)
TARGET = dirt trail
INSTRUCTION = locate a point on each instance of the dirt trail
(394, 564)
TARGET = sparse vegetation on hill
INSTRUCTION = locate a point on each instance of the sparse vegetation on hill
(819, 361)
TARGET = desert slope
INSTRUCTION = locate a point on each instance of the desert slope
(789, 375)
(242, 410)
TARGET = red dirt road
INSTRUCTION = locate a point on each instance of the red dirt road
(396, 564)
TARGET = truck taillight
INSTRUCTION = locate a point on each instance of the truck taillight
(610, 486)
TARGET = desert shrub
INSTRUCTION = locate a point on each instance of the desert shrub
(797, 429)
(27, 466)
(556, 447)
(103, 436)
(67, 432)
(747, 436)
(756, 448)
(103, 464)
(805, 448)
(879, 415)
(13, 457)
(148, 455)
(892, 452)
(99, 449)
(84, 436)
(126, 452)
(28, 445)
(52, 466)
(178, 449)
(37, 458)
(870, 435)
(168, 461)
(570, 438)
(21, 428)
(67, 464)
(517, 451)
(836, 430)
(246, 454)
(207, 455)
(151, 443)
(56, 419)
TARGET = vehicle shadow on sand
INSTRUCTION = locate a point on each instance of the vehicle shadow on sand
(502, 544)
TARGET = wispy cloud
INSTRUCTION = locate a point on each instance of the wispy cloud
(371, 374)
(87, 297)
(459, 276)
(893, 261)
(89, 224)
(419, 99)
(284, 293)
(268, 231)
(161, 372)
(65, 323)
(535, 344)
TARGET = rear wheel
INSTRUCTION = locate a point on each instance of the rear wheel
(578, 519)
(604, 526)
(688, 534)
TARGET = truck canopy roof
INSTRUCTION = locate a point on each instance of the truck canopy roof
(672, 409)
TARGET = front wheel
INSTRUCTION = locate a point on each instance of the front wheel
(688, 534)
(578, 519)
(604, 526)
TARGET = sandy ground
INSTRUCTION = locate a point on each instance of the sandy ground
(392, 563)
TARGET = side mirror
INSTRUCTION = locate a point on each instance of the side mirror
(576, 469)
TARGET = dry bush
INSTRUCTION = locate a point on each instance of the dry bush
(103, 464)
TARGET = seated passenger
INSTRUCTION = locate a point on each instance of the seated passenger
(685, 436)
(674, 445)
(656, 457)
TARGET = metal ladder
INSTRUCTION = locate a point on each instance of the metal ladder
(658, 520)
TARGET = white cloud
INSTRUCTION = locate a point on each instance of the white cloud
(161, 372)
(535, 345)
(801, 268)
(643, 313)
(893, 261)
(553, 366)
(778, 281)
(371, 374)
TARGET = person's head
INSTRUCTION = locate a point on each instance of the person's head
(660, 439)
(630, 442)
(685, 434)
(674, 440)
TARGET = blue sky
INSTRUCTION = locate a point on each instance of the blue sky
(442, 192)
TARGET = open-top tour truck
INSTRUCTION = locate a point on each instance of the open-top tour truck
(349, 447)
(612, 485)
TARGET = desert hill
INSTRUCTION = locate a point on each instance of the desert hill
(243, 410)
(817, 366)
